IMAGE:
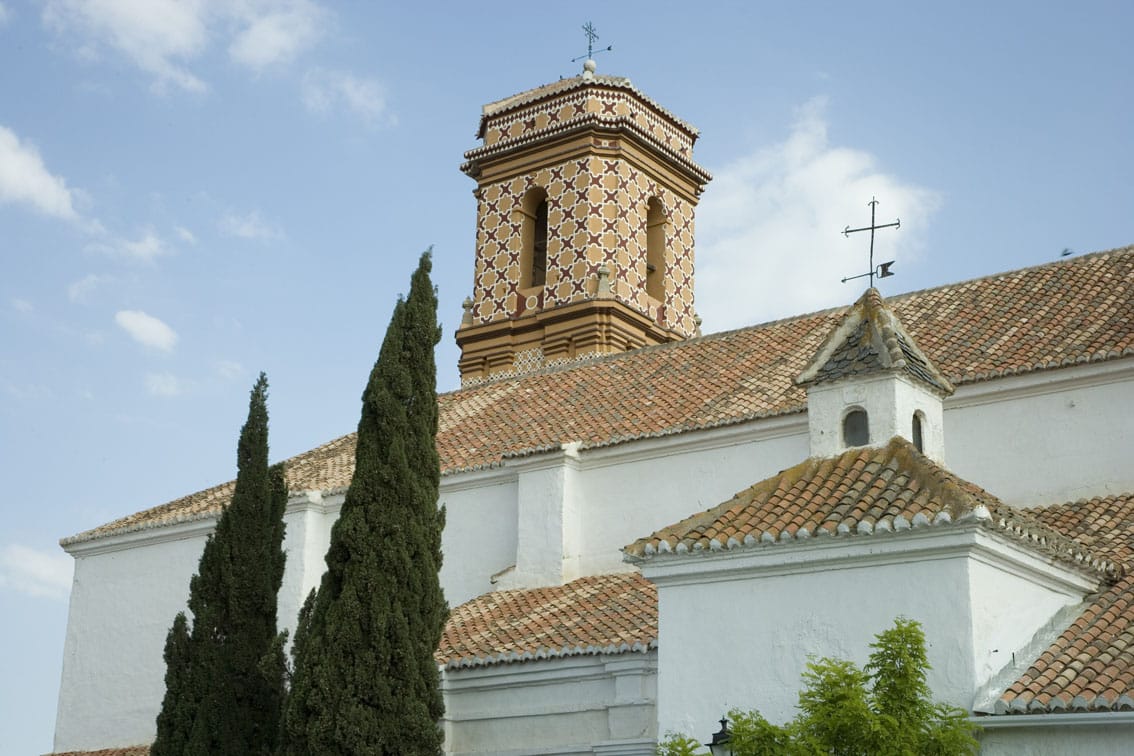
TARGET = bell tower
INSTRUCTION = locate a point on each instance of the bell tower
(586, 191)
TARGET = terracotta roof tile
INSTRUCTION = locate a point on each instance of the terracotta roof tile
(863, 491)
(1070, 312)
(602, 614)
(872, 339)
(1090, 666)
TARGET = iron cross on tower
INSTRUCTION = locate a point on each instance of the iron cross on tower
(883, 270)
(592, 34)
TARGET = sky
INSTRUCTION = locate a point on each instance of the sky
(195, 191)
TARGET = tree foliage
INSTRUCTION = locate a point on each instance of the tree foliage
(882, 709)
(365, 680)
(225, 676)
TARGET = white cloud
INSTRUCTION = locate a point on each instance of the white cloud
(275, 32)
(5, 14)
(146, 329)
(163, 384)
(22, 305)
(185, 235)
(769, 228)
(158, 36)
(78, 291)
(229, 370)
(165, 38)
(145, 249)
(25, 179)
(324, 91)
(249, 226)
(35, 572)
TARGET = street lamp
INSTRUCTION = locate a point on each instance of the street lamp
(721, 744)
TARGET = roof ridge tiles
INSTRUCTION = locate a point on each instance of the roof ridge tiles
(478, 429)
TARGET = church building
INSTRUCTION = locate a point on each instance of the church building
(648, 527)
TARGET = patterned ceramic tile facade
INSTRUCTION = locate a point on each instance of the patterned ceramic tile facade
(596, 215)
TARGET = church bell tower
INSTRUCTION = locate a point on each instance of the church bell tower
(586, 191)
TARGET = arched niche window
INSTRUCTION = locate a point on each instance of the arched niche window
(918, 441)
(655, 249)
(856, 428)
(533, 260)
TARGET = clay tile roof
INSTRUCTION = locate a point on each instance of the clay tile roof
(1070, 312)
(602, 614)
(141, 750)
(1090, 666)
(871, 339)
(862, 492)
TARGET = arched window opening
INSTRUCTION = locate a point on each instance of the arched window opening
(917, 437)
(539, 247)
(655, 249)
(856, 428)
(533, 262)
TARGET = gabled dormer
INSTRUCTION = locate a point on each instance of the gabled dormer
(869, 382)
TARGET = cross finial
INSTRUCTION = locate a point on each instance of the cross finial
(592, 34)
(883, 270)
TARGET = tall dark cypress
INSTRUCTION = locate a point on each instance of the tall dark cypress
(365, 680)
(225, 678)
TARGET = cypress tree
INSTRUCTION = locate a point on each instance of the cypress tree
(365, 679)
(225, 677)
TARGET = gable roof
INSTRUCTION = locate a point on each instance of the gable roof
(862, 492)
(601, 614)
(1070, 312)
(1090, 666)
(871, 339)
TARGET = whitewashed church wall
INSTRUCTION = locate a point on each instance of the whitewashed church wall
(1109, 734)
(1010, 602)
(629, 491)
(480, 535)
(573, 705)
(123, 602)
(755, 616)
(744, 643)
(1046, 438)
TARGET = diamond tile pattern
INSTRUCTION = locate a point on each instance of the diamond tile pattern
(602, 614)
(1071, 312)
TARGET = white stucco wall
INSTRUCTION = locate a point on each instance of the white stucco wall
(749, 619)
(1043, 438)
(574, 705)
(480, 532)
(122, 605)
(1046, 438)
(889, 400)
(1102, 734)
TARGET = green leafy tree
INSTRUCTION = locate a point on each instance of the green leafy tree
(883, 709)
(225, 677)
(365, 680)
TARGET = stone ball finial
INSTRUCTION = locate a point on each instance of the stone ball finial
(589, 68)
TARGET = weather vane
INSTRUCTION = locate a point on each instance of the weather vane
(883, 270)
(592, 35)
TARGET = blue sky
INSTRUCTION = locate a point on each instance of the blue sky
(192, 192)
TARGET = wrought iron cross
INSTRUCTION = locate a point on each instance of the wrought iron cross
(592, 34)
(883, 270)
